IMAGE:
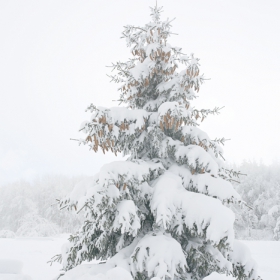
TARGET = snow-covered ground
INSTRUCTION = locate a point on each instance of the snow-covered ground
(267, 255)
(35, 252)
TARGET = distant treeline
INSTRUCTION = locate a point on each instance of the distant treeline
(260, 189)
(31, 209)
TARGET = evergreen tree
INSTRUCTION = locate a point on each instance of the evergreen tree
(161, 214)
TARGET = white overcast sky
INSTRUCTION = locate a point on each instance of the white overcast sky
(52, 66)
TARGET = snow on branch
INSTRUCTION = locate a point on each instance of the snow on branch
(206, 184)
(113, 178)
(195, 157)
(113, 129)
(243, 264)
(204, 216)
(195, 136)
(126, 218)
(158, 255)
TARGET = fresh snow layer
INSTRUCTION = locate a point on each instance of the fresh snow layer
(34, 254)
(14, 277)
(109, 175)
(217, 276)
(10, 266)
(160, 254)
(139, 170)
(85, 274)
(241, 256)
(170, 199)
(267, 256)
(126, 218)
(104, 270)
(11, 270)
(206, 184)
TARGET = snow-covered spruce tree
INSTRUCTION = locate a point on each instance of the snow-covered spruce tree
(160, 214)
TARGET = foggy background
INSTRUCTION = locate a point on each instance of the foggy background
(53, 57)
